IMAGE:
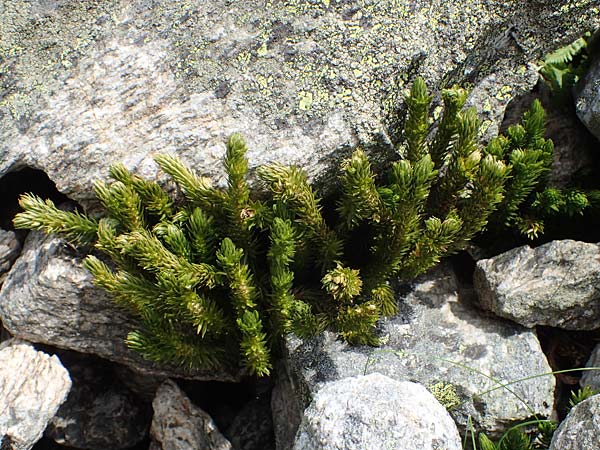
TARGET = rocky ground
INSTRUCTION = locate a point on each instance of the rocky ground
(86, 84)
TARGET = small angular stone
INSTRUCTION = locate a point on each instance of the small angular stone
(180, 425)
(556, 284)
(33, 385)
(587, 99)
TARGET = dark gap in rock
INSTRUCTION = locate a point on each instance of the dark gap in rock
(464, 267)
(14, 184)
(566, 349)
(46, 443)
(99, 391)
(225, 401)
(4, 334)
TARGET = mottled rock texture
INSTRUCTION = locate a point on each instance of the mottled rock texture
(85, 84)
(252, 427)
(48, 297)
(587, 100)
(591, 378)
(375, 412)
(556, 284)
(581, 428)
(100, 412)
(437, 337)
(33, 385)
(9, 250)
(180, 425)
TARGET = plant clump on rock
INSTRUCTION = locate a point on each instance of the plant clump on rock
(215, 276)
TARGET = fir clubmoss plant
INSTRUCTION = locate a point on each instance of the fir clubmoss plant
(216, 278)
(528, 199)
(430, 204)
(581, 395)
(188, 272)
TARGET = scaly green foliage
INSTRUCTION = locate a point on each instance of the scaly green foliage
(581, 395)
(516, 439)
(528, 200)
(218, 274)
(42, 215)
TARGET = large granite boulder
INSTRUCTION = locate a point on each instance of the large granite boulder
(87, 84)
(375, 412)
(437, 337)
(580, 429)
(180, 425)
(556, 284)
(48, 297)
(587, 99)
(33, 385)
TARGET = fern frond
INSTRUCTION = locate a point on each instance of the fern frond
(566, 54)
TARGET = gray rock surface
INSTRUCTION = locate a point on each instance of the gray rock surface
(48, 297)
(180, 425)
(556, 284)
(100, 412)
(9, 250)
(252, 427)
(591, 378)
(437, 337)
(581, 428)
(288, 402)
(86, 84)
(587, 99)
(375, 412)
(33, 385)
